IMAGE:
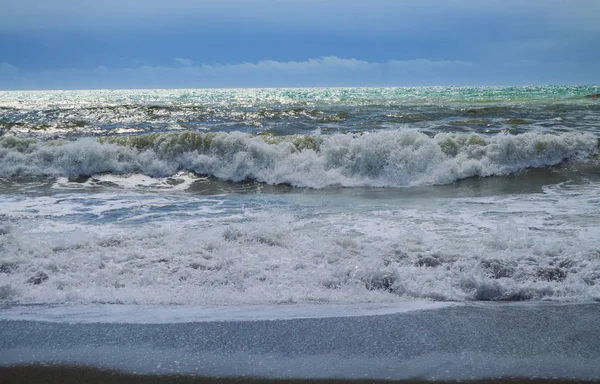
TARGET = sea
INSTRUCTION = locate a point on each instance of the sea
(394, 233)
(315, 196)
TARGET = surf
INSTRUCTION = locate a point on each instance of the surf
(394, 158)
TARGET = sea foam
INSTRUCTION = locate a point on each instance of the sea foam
(385, 158)
(195, 251)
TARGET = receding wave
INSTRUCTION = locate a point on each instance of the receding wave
(386, 158)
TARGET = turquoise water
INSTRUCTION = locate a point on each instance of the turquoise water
(299, 111)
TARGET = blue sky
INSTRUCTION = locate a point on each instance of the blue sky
(80, 44)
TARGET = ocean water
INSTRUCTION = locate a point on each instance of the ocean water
(264, 197)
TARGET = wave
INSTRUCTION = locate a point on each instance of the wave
(273, 256)
(386, 158)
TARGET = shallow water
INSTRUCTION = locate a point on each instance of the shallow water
(446, 342)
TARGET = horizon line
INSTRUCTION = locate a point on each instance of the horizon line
(296, 87)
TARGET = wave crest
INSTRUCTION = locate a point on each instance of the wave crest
(391, 158)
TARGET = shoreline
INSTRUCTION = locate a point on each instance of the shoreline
(450, 344)
(67, 374)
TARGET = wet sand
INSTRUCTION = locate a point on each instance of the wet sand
(74, 374)
(535, 342)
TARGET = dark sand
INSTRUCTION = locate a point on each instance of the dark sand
(64, 374)
(536, 342)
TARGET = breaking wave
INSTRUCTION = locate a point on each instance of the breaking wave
(385, 158)
(278, 258)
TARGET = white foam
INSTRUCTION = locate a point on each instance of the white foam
(386, 158)
(144, 314)
(125, 206)
(512, 247)
(178, 182)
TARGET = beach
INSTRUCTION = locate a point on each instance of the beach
(407, 233)
(68, 375)
(465, 342)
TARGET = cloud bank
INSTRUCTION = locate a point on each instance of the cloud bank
(324, 71)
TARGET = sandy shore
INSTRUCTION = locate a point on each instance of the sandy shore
(462, 343)
(33, 374)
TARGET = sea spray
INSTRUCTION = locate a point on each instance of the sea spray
(386, 158)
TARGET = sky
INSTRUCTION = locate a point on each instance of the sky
(92, 44)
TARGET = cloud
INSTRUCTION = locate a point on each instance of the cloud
(7, 69)
(182, 61)
(329, 64)
(328, 71)
(324, 71)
